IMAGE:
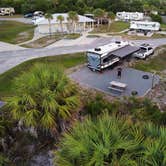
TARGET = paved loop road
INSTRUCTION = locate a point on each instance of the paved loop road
(9, 59)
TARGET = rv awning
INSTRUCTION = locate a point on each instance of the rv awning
(125, 51)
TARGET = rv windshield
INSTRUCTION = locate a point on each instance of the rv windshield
(93, 60)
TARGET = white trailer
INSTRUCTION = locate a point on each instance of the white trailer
(102, 57)
(144, 25)
(129, 16)
(7, 11)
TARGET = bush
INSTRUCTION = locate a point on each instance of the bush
(112, 141)
(156, 18)
(138, 109)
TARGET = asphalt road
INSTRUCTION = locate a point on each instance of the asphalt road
(9, 59)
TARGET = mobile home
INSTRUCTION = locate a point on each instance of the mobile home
(129, 16)
(144, 26)
(7, 11)
(102, 57)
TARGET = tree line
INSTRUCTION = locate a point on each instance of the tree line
(84, 6)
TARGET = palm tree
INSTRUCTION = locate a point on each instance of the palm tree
(60, 18)
(146, 8)
(72, 18)
(110, 16)
(49, 17)
(99, 14)
(105, 141)
(55, 3)
(45, 98)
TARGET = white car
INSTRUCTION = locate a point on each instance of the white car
(144, 51)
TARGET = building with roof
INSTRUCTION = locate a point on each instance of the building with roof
(83, 24)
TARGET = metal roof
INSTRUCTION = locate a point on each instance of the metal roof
(125, 51)
(43, 20)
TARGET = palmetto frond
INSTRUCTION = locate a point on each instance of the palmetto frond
(47, 121)
(44, 96)
(101, 142)
(31, 117)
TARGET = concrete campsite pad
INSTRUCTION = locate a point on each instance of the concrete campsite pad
(100, 81)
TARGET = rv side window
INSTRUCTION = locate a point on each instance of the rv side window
(150, 48)
(106, 60)
(109, 58)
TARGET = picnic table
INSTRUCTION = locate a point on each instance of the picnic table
(117, 86)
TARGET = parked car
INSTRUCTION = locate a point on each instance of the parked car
(28, 15)
(38, 13)
(144, 51)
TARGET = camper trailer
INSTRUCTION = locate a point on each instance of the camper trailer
(129, 16)
(7, 11)
(144, 26)
(102, 57)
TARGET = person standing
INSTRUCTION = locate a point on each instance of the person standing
(119, 72)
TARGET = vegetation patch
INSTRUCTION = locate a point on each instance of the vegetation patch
(72, 36)
(44, 41)
(112, 141)
(66, 61)
(163, 27)
(15, 32)
(155, 63)
(116, 26)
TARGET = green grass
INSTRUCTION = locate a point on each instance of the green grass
(157, 63)
(13, 16)
(72, 36)
(116, 26)
(67, 61)
(163, 26)
(15, 32)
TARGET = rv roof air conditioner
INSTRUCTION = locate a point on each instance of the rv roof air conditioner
(97, 49)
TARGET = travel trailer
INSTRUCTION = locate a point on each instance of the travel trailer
(7, 11)
(144, 26)
(102, 57)
(129, 16)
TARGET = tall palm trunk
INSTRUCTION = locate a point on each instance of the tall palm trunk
(49, 27)
(61, 25)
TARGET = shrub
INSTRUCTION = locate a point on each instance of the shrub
(156, 18)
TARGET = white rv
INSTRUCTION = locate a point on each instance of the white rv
(129, 16)
(107, 55)
(7, 11)
(144, 25)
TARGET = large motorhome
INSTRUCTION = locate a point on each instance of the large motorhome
(7, 11)
(144, 25)
(129, 16)
(102, 57)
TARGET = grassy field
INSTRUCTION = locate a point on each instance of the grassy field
(135, 37)
(163, 26)
(15, 32)
(72, 36)
(67, 61)
(156, 63)
(116, 26)
(13, 16)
